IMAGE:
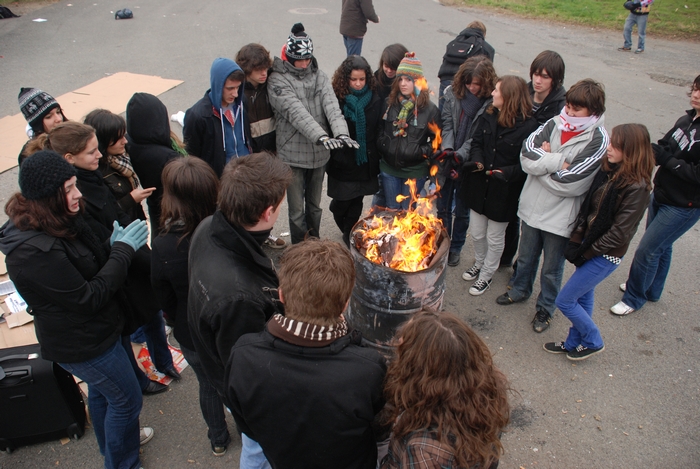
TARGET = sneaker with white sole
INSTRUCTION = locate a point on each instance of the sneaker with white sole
(621, 309)
(146, 434)
(555, 347)
(623, 287)
(472, 273)
(275, 242)
(479, 287)
(581, 352)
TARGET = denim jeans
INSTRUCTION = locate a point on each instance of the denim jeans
(304, 201)
(154, 335)
(209, 402)
(641, 22)
(394, 186)
(141, 377)
(252, 456)
(453, 213)
(488, 237)
(379, 199)
(652, 260)
(114, 401)
(576, 301)
(533, 243)
(353, 45)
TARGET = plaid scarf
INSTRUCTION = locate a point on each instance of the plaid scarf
(304, 334)
(401, 123)
(122, 165)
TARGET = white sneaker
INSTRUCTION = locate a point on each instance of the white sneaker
(623, 286)
(479, 287)
(621, 309)
(146, 434)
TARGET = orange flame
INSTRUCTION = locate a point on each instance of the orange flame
(405, 242)
(437, 140)
(421, 84)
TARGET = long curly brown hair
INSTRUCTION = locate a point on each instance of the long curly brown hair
(341, 77)
(480, 68)
(443, 378)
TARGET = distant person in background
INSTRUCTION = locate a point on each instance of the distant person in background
(470, 42)
(639, 14)
(354, 16)
(42, 113)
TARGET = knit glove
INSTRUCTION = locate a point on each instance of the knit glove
(441, 155)
(660, 154)
(134, 235)
(115, 232)
(496, 174)
(472, 166)
(330, 143)
(348, 142)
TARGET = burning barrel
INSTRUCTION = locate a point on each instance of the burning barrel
(385, 297)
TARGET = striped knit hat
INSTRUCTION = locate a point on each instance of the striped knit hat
(35, 105)
(299, 44)
(410, 66)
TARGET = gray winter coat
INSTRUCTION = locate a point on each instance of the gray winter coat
(451, 110)
(306, 109)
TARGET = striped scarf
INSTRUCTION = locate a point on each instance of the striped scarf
(122, 165)
(401, 123)
(304, 334)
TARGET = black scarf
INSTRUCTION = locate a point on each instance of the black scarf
(87, 236)
(470, 105)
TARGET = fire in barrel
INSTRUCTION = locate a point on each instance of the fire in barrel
(400, 263)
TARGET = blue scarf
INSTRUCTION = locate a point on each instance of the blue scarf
(354, 111)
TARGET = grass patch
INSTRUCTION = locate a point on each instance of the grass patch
(669, 18)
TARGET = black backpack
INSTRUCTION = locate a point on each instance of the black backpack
(463, 47)
(6, 13)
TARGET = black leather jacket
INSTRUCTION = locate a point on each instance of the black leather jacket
(411, 150)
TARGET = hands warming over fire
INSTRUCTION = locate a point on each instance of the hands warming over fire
(449, 160)
(496, 174)
(472, 166)
(335, 143)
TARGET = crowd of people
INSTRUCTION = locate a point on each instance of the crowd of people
(528, 168)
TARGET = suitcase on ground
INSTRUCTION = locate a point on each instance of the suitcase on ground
(39, 400)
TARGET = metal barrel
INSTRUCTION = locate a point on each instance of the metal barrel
(384, 298)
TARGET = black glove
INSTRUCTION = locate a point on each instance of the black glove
(571, 251)
(497, 174)
(441, 155)
(472, 166)
(579, 261)
(453, 165)
(348, 142)
(660, 154)
(330, 143)
(631, 5)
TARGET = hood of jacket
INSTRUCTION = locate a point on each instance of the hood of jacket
(555, 94)
(11, 237)
(220, 70)
(284, 66)
(147, 120)
(472, 32)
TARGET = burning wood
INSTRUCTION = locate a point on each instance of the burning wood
(405, 241)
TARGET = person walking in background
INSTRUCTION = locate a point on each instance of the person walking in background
(404, 140)
(190, 191)
(493, 176)
(307, 114)
(603, 230)
(464, 101)
(468, 43)
(352, 172)
(446, 400)
(561, 159)
(354, 15)
(674, 209)
(639, 14)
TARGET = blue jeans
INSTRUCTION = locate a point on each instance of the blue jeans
(209, 402)
(141, 377)
(252, 456)
(576, 301)
(153, 333)
(450, 204)
(533, 243)
(641, 22)
(379, 199)
(114, 401)
(353, 45)
(652, 260)
(394, 186)
(304, 201)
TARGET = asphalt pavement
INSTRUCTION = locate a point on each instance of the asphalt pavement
(636, 404)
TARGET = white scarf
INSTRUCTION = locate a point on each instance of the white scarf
(575, 124)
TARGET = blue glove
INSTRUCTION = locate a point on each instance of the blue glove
(134, 235)
(115, 232)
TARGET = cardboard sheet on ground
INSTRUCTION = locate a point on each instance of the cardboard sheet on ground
(112, 93)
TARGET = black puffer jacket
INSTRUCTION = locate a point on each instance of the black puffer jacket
(552, 104)
(233, 291)
(497, 148)
(677, 181)
(76, 314)
(342, 165)
(150, 147)
(411, 150)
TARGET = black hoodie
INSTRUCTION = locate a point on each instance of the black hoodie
(552, 104)
(150, 147)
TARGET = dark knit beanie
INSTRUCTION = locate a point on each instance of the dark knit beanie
(43, 173)
(299, 44)
(35, 105)
(410, 66)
